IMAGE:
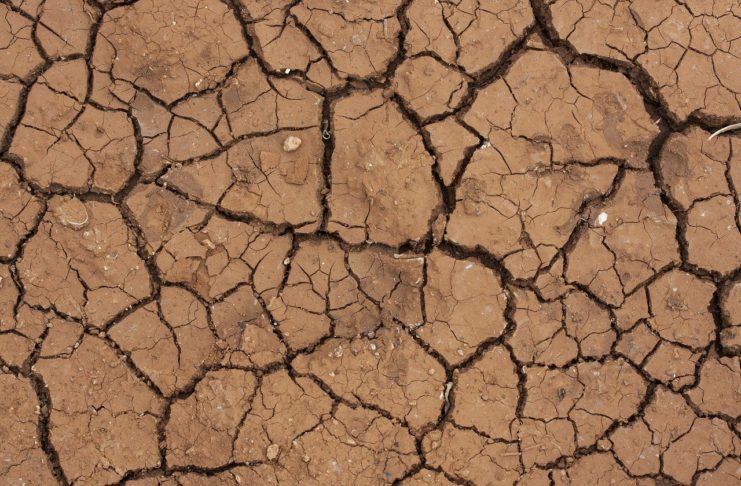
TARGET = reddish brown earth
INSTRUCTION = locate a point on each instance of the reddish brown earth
(334, 242)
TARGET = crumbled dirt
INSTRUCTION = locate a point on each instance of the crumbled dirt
(413, 242)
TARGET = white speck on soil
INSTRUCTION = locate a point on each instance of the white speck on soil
(272, 452)
(291, 144)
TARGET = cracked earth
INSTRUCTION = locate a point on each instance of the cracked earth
(413, 242)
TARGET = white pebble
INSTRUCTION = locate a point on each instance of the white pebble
(291, 144)
(272, 452)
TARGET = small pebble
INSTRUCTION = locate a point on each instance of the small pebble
(291, 144)
(272, 452)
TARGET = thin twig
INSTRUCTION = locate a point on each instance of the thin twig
(735, 126)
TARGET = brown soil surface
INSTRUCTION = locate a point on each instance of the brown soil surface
(365, 242)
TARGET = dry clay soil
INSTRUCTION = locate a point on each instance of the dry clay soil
(345, 242)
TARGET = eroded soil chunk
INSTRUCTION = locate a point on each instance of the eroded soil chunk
(360, 38)
(169, 48)
(390, 371)
(382, 185)
(19, 210)
(82, 262)
(471, 33)
(104, 418)
(23, 461)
